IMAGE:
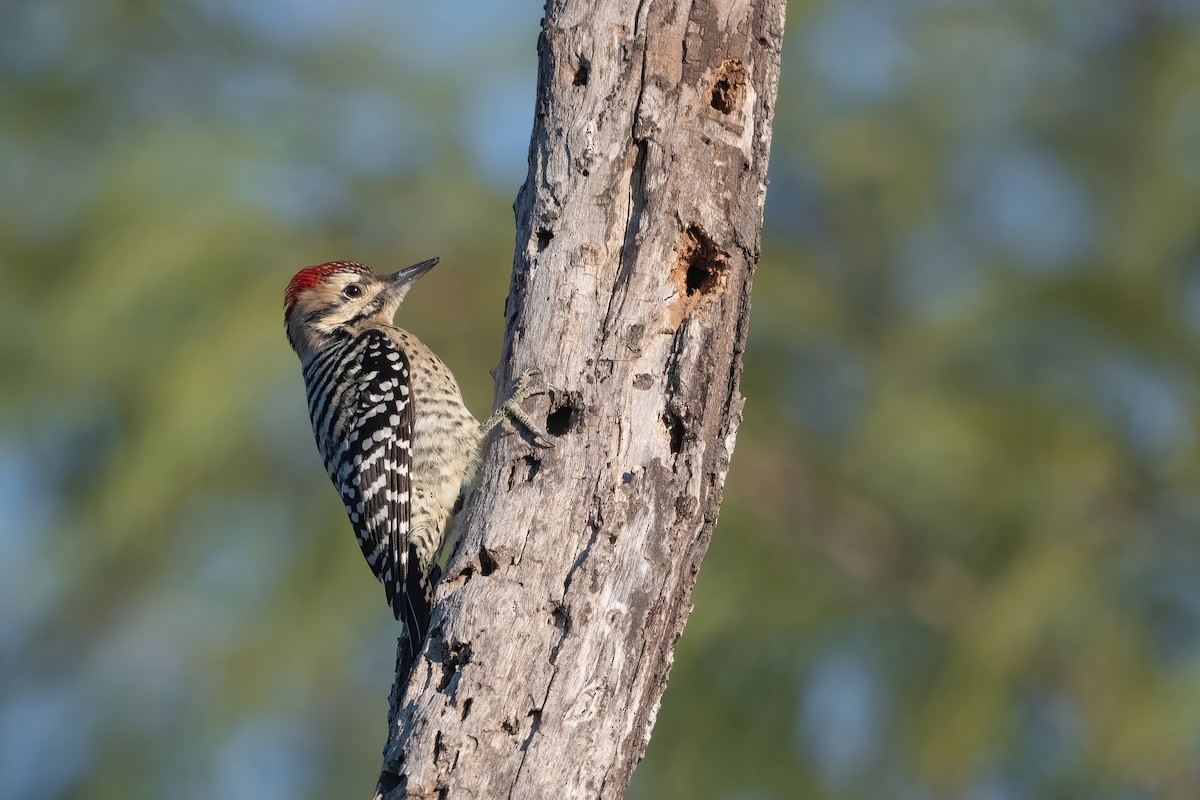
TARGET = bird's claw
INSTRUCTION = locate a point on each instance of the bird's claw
(528, 385)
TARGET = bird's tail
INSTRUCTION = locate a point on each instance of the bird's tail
(412, 604)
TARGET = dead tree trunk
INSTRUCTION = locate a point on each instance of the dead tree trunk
(637, 237)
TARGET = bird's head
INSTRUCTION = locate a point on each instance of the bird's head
(340, 298)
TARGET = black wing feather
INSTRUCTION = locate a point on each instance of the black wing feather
(380, 443)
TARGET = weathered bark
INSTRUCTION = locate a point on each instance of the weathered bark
(637, 237)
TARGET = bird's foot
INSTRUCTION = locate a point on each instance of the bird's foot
(527, 386)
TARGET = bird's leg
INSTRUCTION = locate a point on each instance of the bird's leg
(527, 386)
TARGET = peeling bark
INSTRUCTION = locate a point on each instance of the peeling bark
(637, 238)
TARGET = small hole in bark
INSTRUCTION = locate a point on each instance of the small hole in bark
(720, 96)
(457, 657)
(544, 237)
(582, 72)
(532, 467)
(388, 781)
(698, 279)
(487, 564)
(701, 267)
(729, 87)
(466, 708)
(558, 421)
(675, 431)
(559, 617)
(509, 726)
(523, 470)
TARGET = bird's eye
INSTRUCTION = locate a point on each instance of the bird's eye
(353, 290)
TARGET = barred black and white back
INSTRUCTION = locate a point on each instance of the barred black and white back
(365, 440)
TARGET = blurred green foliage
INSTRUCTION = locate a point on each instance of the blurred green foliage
(958, 553)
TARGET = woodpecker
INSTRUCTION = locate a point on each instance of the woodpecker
(397, 441)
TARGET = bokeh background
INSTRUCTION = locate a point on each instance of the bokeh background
(958, 556)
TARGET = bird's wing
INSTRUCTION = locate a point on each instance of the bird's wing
(379, 480)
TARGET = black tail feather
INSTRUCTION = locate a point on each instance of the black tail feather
(412, 604)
